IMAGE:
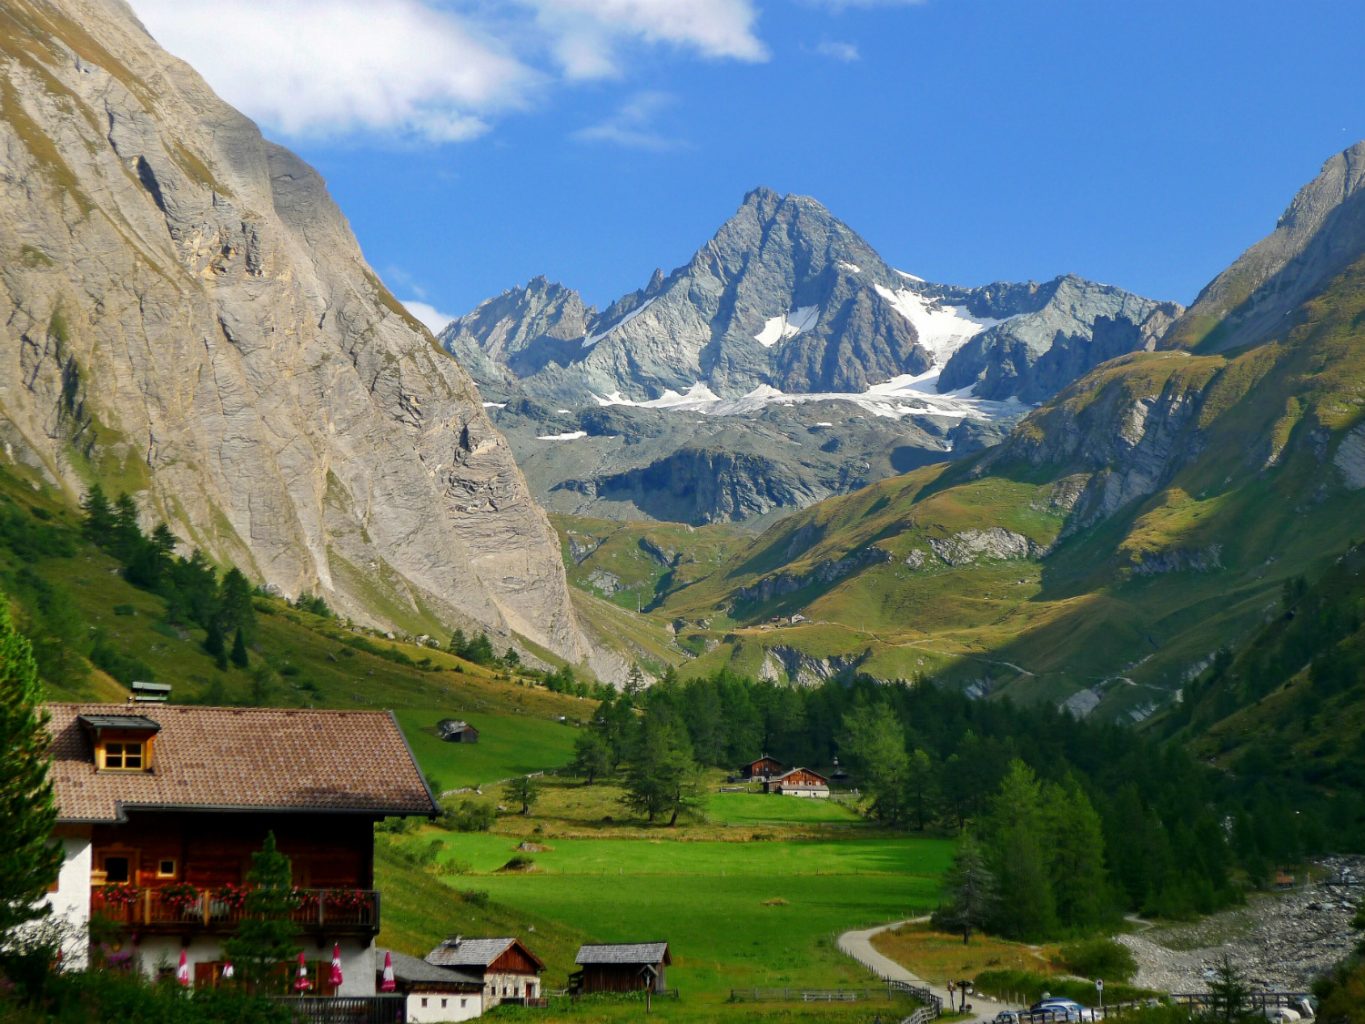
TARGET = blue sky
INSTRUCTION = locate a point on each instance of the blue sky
(476, 144)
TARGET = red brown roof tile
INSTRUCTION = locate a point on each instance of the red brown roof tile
(249, 759)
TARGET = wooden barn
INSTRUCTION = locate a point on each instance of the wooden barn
(799, 782)
(763, 769)
(621, 967)
(453, 730)
(510, 971)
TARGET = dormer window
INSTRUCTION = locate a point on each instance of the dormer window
(123, 743)
(123, 755)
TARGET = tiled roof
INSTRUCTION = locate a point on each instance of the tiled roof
(624, 953)
(462, 952)
(250, 759)
(410, 968)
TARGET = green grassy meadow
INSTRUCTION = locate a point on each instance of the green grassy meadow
(508, 744)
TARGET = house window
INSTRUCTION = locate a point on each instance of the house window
(424, 1002)
(443, 1003)
(117, 869)
(165, 868)
(122, 756)
(462, 1003)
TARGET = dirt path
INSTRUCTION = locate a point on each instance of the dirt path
(858, 945)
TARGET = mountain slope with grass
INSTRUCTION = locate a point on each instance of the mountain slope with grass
(190, 320)
(1128, 529)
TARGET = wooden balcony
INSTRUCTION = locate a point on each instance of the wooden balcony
(324, 912)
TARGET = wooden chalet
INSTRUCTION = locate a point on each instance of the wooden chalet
(453, 730)
(509, 971)
(160, 808)
(621, 967)
(801, 782)
(762, 769)
(435, 995)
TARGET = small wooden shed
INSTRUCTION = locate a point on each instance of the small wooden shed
(621, 967)
(455, 730)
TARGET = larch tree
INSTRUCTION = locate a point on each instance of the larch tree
(971, 892)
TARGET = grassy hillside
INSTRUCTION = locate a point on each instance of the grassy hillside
(1149, 515)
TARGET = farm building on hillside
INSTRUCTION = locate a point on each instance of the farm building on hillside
(436, 995)
(799, 782)
(160, 808)
(763, 769)
(453, 730)
(621, 967)
(510, 971)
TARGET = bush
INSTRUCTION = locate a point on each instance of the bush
(475, 897)
(124, 609)
(519, 863)
(1099, 958)
(1028, 987)
(468, 816)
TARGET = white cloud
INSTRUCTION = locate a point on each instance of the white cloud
(333, 67)
(433, 70)
(632, 125)
(587, 34)
(837, 50)
(428, 314)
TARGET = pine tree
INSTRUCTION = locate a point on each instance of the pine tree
(458, 644)
(1016, 852)
(239, 656)
(523, 790)
(28, 858)
(663, 777)
(127, 533)
(98, 526)
(1229, 994)
(635, 679)
(920, 786)
(235, 610)
(592, 758)
(266, 936)
(480, 650)
(971, 892)
(1080, 884)
(214, 644)
(874, 743)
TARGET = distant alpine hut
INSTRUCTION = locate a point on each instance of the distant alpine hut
(799, 782)
(509, 971)
(435, 995)
(763, 769)
(455, 730)
(621, 967)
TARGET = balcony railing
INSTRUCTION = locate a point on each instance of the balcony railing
(157, 910)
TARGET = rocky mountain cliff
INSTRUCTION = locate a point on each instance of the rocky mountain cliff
(789, 315)
(1140, 520)
(189, 318)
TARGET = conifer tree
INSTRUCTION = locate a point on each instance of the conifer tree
(592, 759)
(1016, 841)
(239, 656)
(98, 526)
(523, 790)
(663, 777)
(235, 610)
(971, 892)
(28, 857)
(266, 937)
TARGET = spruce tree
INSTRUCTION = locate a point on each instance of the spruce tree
(29, 859)
(1080, 885)
(98, 526)
(234, 605)
(458, 644)
(971, 892)
(592, 758)
(127, 533)
(214, 644)
(239, 656)
(265, 937)
(1017, 853)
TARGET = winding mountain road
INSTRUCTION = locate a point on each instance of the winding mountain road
(858, 945)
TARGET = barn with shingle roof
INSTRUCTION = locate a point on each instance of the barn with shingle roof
(510, 971)
(621, 967)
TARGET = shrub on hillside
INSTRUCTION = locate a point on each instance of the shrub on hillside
(468, 816)
(1029, 987)
(1099, 958)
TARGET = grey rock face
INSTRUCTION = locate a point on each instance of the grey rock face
(188, 312)
(1035, 354)
(994, 543)
(1321, 232)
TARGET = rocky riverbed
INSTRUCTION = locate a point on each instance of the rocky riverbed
(1281, 940)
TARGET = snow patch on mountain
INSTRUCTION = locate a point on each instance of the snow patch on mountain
(593, 339)
(942, 329)
(788, 325)
(571, 435)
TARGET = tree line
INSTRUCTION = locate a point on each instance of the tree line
(1077, 821)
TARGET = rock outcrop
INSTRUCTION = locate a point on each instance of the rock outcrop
(188, 317)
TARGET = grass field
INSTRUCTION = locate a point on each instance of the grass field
(939, 957)
(508, 745)
(737, 913)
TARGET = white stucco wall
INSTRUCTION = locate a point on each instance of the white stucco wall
(71, 902)
(435, 1013)
(357, 961)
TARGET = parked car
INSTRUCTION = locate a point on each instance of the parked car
(1056, 1008)
(1007, 1017)
(1282, 1014)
